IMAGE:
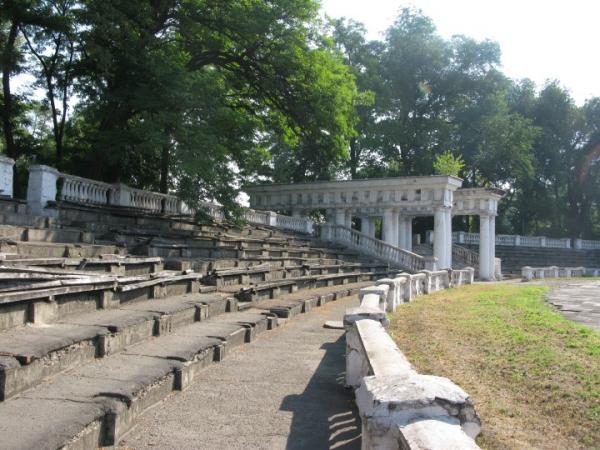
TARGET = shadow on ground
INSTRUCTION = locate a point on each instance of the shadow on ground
(325, 424)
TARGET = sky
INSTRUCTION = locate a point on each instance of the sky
(539, 39)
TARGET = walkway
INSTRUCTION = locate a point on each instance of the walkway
(578, 300)
(283, 391)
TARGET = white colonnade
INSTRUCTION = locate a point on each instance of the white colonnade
(396, 202)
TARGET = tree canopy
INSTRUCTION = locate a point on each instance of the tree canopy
(198, 97)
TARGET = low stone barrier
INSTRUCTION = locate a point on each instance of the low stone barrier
(400, 408)
(530, 273)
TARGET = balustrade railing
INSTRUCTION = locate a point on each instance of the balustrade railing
(257, 217)
(587, 245)
(374, 247)
(83, 190)
(461, 237)
(465, 255)
(299, 224)
(531, 273)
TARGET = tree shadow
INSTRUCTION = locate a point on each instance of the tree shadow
(325, 415)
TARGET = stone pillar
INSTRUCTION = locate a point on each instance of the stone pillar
(402, 232)
(493, 246)
(41, 187)
(429, 237)
(272, 218)
(439, 237)
(409, 234)
(348, 219)
(405, 232)
(486, 270)
(121, 195)
(390, 226)
(448, 228)
(372, 227)
(330, 216)
(340, 216)
(366, 225)
(6, 176)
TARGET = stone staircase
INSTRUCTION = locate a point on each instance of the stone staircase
(103, 314)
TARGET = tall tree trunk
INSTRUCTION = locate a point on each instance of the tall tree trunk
(164, 162)
(354, 157)
(7, 111)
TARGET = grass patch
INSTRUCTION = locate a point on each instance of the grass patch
(534, 376)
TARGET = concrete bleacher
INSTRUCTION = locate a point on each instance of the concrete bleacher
(104, 313)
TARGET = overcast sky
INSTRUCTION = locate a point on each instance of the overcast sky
(540, 39)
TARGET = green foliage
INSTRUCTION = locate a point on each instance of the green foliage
(199, 97)
(447, 164)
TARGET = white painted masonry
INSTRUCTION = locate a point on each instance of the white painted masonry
(400, 408)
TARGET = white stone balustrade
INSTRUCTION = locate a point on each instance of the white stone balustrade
(83, 190)
(513, 240)
(539, 273)
(7, 166)
(375, 247)
(298, 224)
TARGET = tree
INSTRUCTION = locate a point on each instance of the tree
(51, 42)
(448, 164)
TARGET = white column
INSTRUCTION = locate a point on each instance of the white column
(439, 237)
(402, 232)
(365, 225)
(493, 246)
(372, 227)
(409, 234)
(41, 187)
(348, 219)
(448, 227)
(340, 216)
(330, 216)
(390, 226)
(485, 271)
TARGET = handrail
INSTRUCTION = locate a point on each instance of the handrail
(375, 247)
(465, 255)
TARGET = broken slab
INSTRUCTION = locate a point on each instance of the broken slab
(386, 402)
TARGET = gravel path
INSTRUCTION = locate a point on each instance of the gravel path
(283, 391)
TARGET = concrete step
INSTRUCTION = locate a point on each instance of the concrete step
(53, 250)
(95, 404)
(266, 272)
(116, 264)
(32, 353)
(274, 289)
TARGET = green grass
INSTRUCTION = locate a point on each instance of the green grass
(534, 376)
